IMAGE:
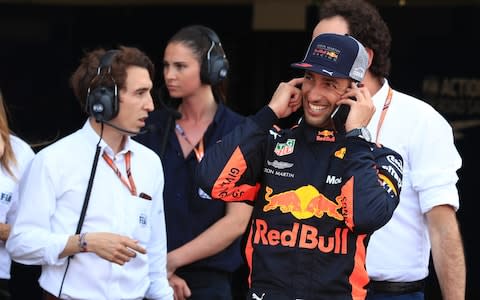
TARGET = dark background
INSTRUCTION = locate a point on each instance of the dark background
(434, 57)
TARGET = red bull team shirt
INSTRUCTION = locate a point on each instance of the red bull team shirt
(317, 199)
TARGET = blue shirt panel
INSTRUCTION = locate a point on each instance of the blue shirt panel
(186, 213)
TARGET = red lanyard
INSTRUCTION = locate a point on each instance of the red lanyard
(130, 184)
(386, 105)
(199, 149)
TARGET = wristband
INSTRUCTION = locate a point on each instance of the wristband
(82, 242)
(361, 132)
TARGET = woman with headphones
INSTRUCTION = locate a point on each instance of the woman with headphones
(203, 236)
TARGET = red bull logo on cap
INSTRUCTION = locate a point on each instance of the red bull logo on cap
(326, 51)
(303, 203)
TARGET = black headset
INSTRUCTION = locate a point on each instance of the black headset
(102, 100)
(215, 65)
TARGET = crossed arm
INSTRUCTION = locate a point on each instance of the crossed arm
(210, 242)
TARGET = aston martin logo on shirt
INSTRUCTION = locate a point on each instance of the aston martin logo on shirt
(279, 164)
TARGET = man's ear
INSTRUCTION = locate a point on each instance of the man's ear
(370, 56)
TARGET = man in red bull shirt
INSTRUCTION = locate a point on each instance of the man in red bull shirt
(316, 201)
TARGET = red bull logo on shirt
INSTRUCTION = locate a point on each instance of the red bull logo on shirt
(325, 136)
(301, 236)
(303, 203)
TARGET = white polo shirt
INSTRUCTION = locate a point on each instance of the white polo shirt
(52, 193)
(400, 250)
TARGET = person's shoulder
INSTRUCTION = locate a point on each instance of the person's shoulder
(145, 152)
(23, 153)
(414, 104)
(416, 110)
(63, 147)
(229, 117)
(20, 146)
(231, 112)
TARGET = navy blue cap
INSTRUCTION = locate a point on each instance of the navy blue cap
(335, 55)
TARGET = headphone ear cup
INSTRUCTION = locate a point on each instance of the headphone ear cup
(102, 104)
(215, 65)
(218, 69)
(102, 101)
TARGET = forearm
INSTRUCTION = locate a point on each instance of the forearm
(447, 253)
(4, 231)
(213, 240)
(72, 247)
(210, 242)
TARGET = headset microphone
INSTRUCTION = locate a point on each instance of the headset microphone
(146, 129)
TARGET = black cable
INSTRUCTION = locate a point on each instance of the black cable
(85, 203)
(166, 134)
(173, 115)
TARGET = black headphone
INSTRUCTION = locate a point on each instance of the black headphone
(102, 100)
(215, 65)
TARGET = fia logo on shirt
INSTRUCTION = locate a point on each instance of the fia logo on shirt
(5, 198)
(142, 220)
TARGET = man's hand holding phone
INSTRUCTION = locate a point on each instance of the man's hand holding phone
(355, 108)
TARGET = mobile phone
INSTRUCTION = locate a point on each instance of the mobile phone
(339, 116)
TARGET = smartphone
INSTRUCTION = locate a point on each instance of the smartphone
(339, 116)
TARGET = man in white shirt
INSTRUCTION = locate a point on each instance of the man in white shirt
(425, 219)
(91, 205)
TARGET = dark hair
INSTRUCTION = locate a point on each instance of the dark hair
(366, 25)
(196, 38)
(83, 77)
